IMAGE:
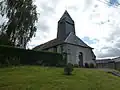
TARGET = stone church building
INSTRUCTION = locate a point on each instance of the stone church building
(68, 44)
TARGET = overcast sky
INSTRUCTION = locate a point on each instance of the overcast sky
(96, 22)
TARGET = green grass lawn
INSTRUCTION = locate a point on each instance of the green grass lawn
(43, 78)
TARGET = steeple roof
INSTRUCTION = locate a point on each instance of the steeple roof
(65, 26)
(67, 17)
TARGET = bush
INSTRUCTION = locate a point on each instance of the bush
(76, 65)
(86, 65)
(68, 69)
(92, 65)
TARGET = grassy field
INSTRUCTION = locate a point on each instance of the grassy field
(40, 78)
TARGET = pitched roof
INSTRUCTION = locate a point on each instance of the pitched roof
(71, 39)
(49, 44)
(67, 17)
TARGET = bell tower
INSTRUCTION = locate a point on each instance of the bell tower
(65, 26)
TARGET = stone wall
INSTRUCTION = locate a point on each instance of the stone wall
(73, 54)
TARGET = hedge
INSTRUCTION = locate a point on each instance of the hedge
(17, 56)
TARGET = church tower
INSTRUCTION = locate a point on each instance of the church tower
(65, 26)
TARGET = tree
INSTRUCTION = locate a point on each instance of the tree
(22, 16)
(4, 40)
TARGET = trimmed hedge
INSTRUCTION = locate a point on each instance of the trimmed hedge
(17, 56)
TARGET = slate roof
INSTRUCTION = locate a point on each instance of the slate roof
(56, 42)
(49, 44)
(67, 17)
(73, 39)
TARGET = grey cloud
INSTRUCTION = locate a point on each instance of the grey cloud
(41, 28)
(111, 52)
(42, 25)
(74, 8)
(117, 44)
(114, 35)
(48, 9)
(105, 48)
(87, 4)
(49, 6)
(114, 39)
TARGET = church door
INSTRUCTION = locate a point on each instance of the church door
(81, 59)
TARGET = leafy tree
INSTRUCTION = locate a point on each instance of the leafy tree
(22, 16)
(4, 40)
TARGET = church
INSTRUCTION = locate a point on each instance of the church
(68, 44)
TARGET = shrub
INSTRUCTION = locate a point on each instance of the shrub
(92, 65)
(68, 69)
(86, 65)
(76, 65)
